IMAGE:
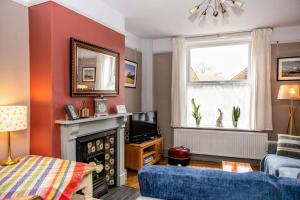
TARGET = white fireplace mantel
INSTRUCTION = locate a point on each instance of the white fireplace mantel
(70, 130)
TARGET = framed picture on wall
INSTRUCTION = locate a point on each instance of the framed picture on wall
(89, 74)
(130, 74)
(288, 69)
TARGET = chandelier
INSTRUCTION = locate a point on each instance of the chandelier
(216, 6)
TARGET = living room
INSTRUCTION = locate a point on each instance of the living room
(112, 99)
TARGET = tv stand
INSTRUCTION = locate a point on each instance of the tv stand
(135, 154)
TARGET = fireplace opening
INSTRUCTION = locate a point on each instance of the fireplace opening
(100, 150)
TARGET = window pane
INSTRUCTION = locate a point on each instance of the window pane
(219, 63)
(211, 97)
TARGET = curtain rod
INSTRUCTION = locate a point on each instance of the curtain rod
(228, 33)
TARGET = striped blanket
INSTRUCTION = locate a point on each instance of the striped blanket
(49, 178)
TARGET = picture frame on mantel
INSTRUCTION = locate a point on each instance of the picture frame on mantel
(288, 69)
(130, 74)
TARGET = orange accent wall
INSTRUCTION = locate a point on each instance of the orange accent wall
(50, 27)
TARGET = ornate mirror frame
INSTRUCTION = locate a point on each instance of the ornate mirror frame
(75, 43)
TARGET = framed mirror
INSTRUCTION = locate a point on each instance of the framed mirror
(95, 70)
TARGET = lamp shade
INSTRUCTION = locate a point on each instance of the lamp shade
(290, 92)
(13, 118)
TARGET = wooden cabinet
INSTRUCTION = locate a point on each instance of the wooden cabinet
(136, 153)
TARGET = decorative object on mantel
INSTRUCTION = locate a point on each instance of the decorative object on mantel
(71, 112)
(130, 74)
(121, 109)
(219, 122)
(12, 118)
(196, 114)
(101, 107)
(216, 6)
(288, 69)
(84, 112)
(95, 70)
(236, 112)
(290, 92)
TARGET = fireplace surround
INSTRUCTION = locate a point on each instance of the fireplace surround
(70, 131)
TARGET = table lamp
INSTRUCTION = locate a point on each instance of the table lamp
(290, 92)
(12, 118)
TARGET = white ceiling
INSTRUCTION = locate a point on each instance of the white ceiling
(165, 18)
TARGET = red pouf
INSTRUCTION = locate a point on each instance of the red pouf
(179, 156)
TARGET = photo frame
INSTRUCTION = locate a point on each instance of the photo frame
(71, 112)
(130, 74)
(121, 109)
(288, 69)
(88, 74)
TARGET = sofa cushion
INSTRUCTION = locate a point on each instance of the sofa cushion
(288, 145)
(289, 172)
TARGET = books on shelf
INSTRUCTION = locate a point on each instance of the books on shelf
(148, 159)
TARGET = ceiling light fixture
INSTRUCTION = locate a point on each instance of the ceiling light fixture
(216, 6)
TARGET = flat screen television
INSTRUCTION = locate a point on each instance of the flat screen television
(143, 126)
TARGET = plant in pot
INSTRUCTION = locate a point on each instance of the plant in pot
(236, 112)
(196, 114)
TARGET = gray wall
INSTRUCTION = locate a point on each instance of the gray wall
(162, 75)
(280, 107)
(133, 95)
(14, 69)
(162, 92)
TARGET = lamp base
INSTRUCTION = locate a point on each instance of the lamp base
(9, 162)
(291, 127)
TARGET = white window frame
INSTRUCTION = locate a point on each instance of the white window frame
(215, 44)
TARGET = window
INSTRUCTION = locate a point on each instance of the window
(218, 77)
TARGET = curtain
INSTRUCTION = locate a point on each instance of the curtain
(178, 89)
(261, 105)
(105, 72)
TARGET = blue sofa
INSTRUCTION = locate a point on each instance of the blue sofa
(182, 183)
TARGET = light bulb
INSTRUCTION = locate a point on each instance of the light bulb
(292, 91)
(215, 13)
(194, 10)
(238, 3)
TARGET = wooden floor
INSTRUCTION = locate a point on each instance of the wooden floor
(132, 180)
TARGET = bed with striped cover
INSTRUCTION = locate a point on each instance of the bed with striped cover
(49, 178)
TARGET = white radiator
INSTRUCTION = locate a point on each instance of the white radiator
(237, 144)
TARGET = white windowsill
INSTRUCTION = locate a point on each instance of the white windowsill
(215, 128)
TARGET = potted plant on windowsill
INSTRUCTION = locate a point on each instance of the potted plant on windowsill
(236, 112)
(196, 114)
